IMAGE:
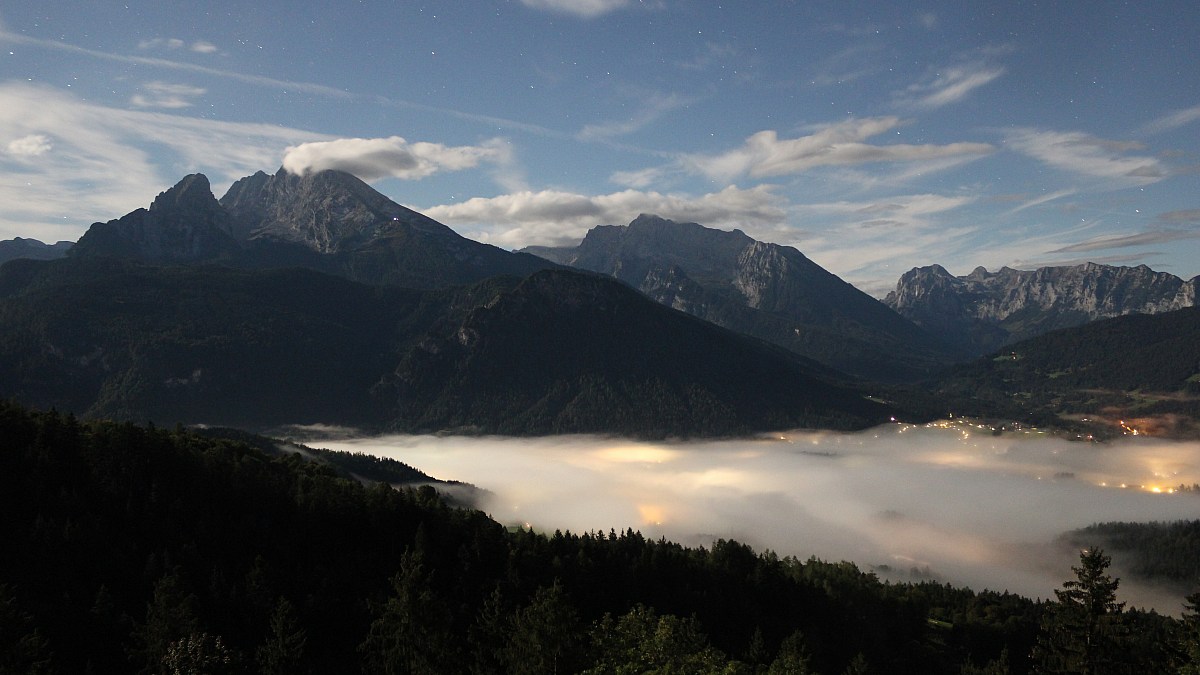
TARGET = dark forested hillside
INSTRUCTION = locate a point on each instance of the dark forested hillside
(1168, 553)
(558, 352)
(134, 549)
(563, 351)
(1141, 369)
(196, 344)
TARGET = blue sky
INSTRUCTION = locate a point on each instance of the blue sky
(872, 136)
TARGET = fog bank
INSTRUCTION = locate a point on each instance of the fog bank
(950, 501)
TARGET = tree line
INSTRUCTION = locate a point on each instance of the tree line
(136, 549)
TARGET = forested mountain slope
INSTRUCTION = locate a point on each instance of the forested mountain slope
(1143, 370)
(134, 549)
(558, 352)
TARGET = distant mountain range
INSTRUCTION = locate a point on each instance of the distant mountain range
(11, 249)
(769, 291)
(304, 299)
(200, 311)
(983, 311)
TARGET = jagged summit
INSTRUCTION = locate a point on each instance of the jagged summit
(327, 220)
(983, 310)
(327, 211)
(193, 192)
(183, 224)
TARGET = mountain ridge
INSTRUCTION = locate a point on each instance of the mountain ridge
(766, 290)
(20, 247)
(328, 221)
(1111, 376)
(558, 352)
(984, 311)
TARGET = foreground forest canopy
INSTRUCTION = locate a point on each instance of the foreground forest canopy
(135, 549)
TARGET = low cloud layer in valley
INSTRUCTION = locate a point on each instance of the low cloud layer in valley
(950, 501)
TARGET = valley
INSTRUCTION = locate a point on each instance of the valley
(599, 337)
(711, 398)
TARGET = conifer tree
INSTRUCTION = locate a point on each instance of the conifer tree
(1189, 642)
(412, 633)
(283, 651)
(1082, 632)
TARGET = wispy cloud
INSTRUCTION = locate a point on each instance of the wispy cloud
(1173, 120)
(848, 65)
(290, 85)
(904, 211)
(110, 160)
(198, 46)
(1185, 216)
(551, 217)
(653, 107)
(1128, 240)
(871, 242)
(586, 9)
(32, 145)
(166, 95)
(841, 144)
(949, 85)
(393, 157)
(710, 54)
(293, 86)
(1042, 199)
(1088, 155)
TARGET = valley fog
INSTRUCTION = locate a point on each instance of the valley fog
(950, 502)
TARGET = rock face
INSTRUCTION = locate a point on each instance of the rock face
(11, 249)
(326, 211)
(984, 311)
(329, 221)
(184, 224)
(769, 291)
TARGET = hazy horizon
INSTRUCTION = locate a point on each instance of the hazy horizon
(957, 504)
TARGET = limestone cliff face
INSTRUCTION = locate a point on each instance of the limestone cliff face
(326, 211)
(986, 310)
(183, 224)
(328, 221)
(770, 291)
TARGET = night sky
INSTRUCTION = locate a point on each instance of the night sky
(872, 136)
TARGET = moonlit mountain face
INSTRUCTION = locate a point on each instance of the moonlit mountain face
(772, 292)
(326, 220)
(327, 211)
(986, 310)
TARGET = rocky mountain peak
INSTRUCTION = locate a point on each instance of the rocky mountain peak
(326, 211)
(183, 224)
(983, 311)
(767, 290)
(329, 221)
(192, 193)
